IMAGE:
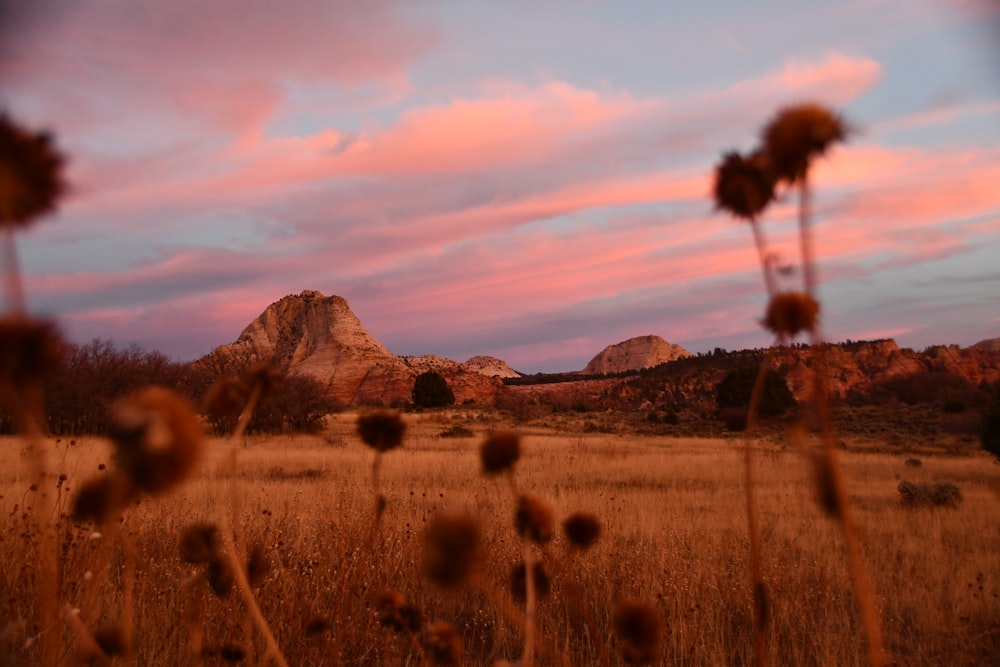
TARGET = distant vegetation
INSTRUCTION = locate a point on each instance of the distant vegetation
(431, 390)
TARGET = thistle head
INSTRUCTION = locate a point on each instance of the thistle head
(31, 174)
(798, 134)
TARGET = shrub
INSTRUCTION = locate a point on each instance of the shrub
(736, 388)
(431, 390)
(938, 494)
(990, 431)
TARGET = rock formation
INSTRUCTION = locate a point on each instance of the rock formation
(319, 336)
(634, 354)
(988, 345)
(491, 367)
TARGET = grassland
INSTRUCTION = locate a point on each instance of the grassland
(674, 534)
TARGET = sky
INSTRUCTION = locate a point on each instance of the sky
(524, 179)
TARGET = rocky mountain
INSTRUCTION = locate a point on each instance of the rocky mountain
(319, 336)
(491, 367)
(989, 344)
(860, 372)
(634, 354)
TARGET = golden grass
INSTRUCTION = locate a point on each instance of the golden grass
(674, 534)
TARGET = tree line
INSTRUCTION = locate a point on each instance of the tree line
(93, 376)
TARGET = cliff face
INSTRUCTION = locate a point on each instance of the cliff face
(319, 336)
(634, 354)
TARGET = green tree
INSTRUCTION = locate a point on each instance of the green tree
(735, 390)
(431, 390)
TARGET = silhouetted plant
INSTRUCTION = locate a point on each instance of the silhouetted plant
(431, 390)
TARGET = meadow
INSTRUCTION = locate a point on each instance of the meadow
(673, 534)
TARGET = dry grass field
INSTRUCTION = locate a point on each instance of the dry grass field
(673, 534)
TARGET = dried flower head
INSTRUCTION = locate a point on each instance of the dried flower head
(31, 178)
(582, 529)
(316, 625)
(220, 576)
(451, 541)
(788, 313)
(101, 498)
(443, 643)
(533, 518)
(796, 135)
(258, 565)
(225, 398)
(262, 375)
(393, 611)
(761, 605)
(519, 581)
(382, 430)
(826, 492)
(199, 543)
(500, 451)
(158, 438)
(232, 653)
(743, 185)
(111, 640)
(637, 626)
(30, 350)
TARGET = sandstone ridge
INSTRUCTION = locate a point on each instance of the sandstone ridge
(634, 354)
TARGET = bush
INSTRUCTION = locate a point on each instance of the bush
(990, 431)
(431, 390)
(735, 390)
(938, 494)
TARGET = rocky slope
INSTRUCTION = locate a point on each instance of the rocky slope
(319, 336)
(634, 354)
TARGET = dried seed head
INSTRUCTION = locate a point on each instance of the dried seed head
(826, 493)
(443, 643)
(258, 565)
(387, 607)
(394, 612)
(225, 398)
(158, 438)
(263, 375)
(533, 519)
(789, 313)
(316, 625)
(30, 351)
(582, 529)
(101, 498)
(199, 543)
(500, 451)
(111, 640)
(232, 653)
(519, 581)
(451, 541)
(220, 577)
(637, 626)
(31, 178)
(382, 430)
(761, 606)
(798, 134)
(743, 185)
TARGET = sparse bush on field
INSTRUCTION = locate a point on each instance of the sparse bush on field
(431, 390)
(989, 432)
(736, 388)
(936, 494)
(913, 462)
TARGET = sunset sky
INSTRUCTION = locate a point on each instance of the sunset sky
(523, 179)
